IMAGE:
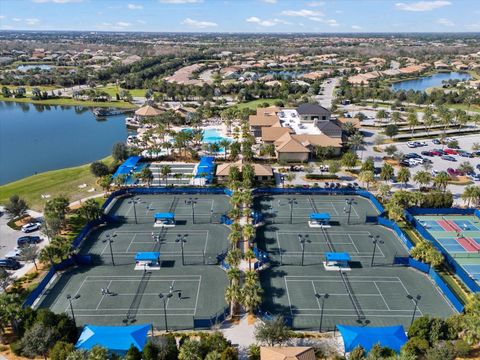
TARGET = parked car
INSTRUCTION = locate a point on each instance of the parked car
(28, 240)
(448, 139)
(451, 151)
(14, 254)
(476, 153)
(377, 170)
(31, 227)
(412, 144)
(466, 154)
(436, 141)
(437, 152)
(10, 264)
(422, 143)
(406, 163)
(448, 158)
(474, 177)
(451, 171)
(415, 161)
(427, 153)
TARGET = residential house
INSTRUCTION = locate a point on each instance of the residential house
(287, 353)
(262, 172)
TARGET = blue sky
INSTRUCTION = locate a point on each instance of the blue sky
(242, 15)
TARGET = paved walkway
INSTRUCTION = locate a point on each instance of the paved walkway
(241, 334)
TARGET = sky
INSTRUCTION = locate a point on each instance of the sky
(283, 16)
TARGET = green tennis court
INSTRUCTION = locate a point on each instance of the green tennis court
(366, 294)
(193, 286)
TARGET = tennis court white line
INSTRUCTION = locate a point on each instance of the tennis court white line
(131, 241)
(168, 299)
(356, 281)
(198, 292)
(288, 296)
(353, 310)
(354, 314)
(160, 313)
(103, 295)
(189, 231)
(380, 293)
(140, 277)
(330, 232)
(309, 277)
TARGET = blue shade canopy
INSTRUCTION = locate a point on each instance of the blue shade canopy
(147, 256)
(117, 339)
(392, 337)
(160, 216)
(340, 256)
(127, 166)
(320, 216)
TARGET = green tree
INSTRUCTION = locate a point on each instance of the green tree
(412, 120)
(422, 178)
(272, 332)
(150, 351)
(146, 175)
(16, 207)
(37, 341)
(5, 279)
(387, 172)
(29, 252)
(190, 350)
(349, 160)
(391, 130)
(390, 150)
(441, 181)
(61, 350)
(98, 353)
(415, 346)
(254, 352)
(358, 353)
(165, 170)
(105, 183)
(119, 152)
(90, 210)
(367, 177)
(99, 169)
(133, 353)
(403, 176)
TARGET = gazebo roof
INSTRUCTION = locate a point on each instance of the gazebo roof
(148, 110)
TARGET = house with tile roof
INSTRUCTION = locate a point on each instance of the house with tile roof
(262, 172)
(287, 353)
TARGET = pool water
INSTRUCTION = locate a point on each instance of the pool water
(211, 136)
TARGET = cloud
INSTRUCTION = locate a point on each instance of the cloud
(198, 24)
(329, 22)
(266, 22)
(445, 22)
(473, 26)
(356, 27)
(143, 22)
(2, 16)
(422, 5)
(302, 13)
(56, 1)
(123, 24)
(316, 3)
(270, 1)
(180, 1)
(16, 19)
(135, 7)
(32, 21)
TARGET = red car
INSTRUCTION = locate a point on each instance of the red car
(450, 151)
(436, 153)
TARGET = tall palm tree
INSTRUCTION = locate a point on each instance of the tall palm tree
(441, 180)
(249, 256)
(165, 170)
(224, 144)
(396, 117)
(356, 141)
(234, 237)
(427, 121)
(471, 194)
(233, 258)
(251, 296)
(232, 296)
(412, 120)
(248, 233)
(422, 177)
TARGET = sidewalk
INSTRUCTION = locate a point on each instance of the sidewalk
(241, 334)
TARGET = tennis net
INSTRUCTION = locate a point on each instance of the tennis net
(353, 298)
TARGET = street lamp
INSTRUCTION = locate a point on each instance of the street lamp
(349, 202)
(303, 239)
(319, 296)
(181, 239)
(291, 202)
(70, 298)
(375, 240)
(192, 202)
(415, 299)
(135, 201)
(110, 241)
(164, 297)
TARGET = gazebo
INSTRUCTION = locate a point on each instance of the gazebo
(147, 111)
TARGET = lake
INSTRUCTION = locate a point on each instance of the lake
(423, 83)
(37, 138)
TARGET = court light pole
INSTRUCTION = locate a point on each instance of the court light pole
(375, 241)
(291, 202)
(302, 239)
(164, 297)
(319, 296)
(192, 202)
(415, 299)
(349, 202)
(110, 241)
(70, 298)
(135, 202)
(181, 239)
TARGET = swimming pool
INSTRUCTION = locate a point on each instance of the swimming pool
(211, 136)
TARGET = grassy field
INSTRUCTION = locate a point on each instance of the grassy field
(112, 91)
(56, 182)
(29, 88)
(72, 102)
(255, 103)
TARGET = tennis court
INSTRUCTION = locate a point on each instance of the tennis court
(180, 173)
(365, 294)
(191, 283)
(296, 208)
(459, 235)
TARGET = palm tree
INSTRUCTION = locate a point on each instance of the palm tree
(251, 296)
(387, 172)
(382, 114)
(249, 256)
(234, 237)
(422, 177)
(355, 141)
(165, 170)
(233, 258)
(441, 180)
(412, 120)
(232, 296)
(471, 194)
(367, 177)
(395, 117)
(248, 233)
(383, 190)
(224, 144)
(403, 176)
(427, 121)
(251, 277)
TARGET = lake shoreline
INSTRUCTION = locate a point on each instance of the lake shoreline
(70, 102)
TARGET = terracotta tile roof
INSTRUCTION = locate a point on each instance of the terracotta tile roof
(287, 353)
(273, 133)
(259, 169)
(354, 121)
(318, 140)
(255, 120)
(287, 144)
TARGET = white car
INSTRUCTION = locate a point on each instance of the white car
(415, 161)
(422, 143)
(412, 144)
(449, 139)
(31, 227)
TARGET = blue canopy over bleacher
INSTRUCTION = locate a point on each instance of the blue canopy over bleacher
(337, 256)
(117, 339)
(160, 216)
(206, 168)
(319, 216)
(127, 166)
(147, 256)
(392, 337)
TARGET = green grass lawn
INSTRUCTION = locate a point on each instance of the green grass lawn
(72, 102)
(255, 103)
(56, 182)
(29, 88)
(474, 108)
(112, 91)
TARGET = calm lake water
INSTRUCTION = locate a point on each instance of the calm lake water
(423, 83)
(37, 138)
